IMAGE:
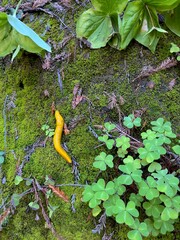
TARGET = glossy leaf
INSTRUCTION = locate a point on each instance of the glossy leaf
(109, 6)
(148, 35)
(131, 22)
(96, 27)
(172, 20)
(164, 5)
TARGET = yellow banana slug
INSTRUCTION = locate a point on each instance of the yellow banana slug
(58, 135)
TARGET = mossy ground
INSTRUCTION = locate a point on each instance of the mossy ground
(97, 71)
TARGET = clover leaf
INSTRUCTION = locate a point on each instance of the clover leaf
(125, 213)
(153, 208)
(140, 229)
(34, 205)
(164, 226)
(131, 121)
(109, 126)
(121, 153)
(123, 142)
(162, 127)
(103, 160)
(98, 192)
(18, 179)
(154, 166)
(131, 173)
(176, 149)
(152, 150)
(119, 188)
(109, 142)
(166, 183)
(148, 188)
(136, 198)
(149, 134)
(154, 232)
(170, 202)
(169, 213)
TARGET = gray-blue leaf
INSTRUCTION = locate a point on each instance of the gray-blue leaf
(26, 31)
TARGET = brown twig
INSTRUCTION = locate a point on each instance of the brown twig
(146, 72)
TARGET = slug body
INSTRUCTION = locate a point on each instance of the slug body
(58, 135)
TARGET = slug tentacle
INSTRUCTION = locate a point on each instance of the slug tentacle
(58, 135)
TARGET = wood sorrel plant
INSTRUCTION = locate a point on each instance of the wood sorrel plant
(152, 185)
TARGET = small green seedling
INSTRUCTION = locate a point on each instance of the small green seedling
(175, 49)
(131, 121)
(48, 131)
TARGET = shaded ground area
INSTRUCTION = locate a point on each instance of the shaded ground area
(32, 84)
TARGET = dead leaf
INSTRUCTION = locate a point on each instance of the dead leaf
(47, 62)
(77, 96)
(172, 84)
(59, 193)
(53, 108)
(139, 112)
(66, 130)
(112, 101)
(121, 100)
(46, 93)
(150, 84)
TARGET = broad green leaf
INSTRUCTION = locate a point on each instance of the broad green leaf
(24, 30)
(8, 44)
(109, 6)
(131, 23)
(164, 5)
(146, 37)
(96, 27)
(116, 38)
